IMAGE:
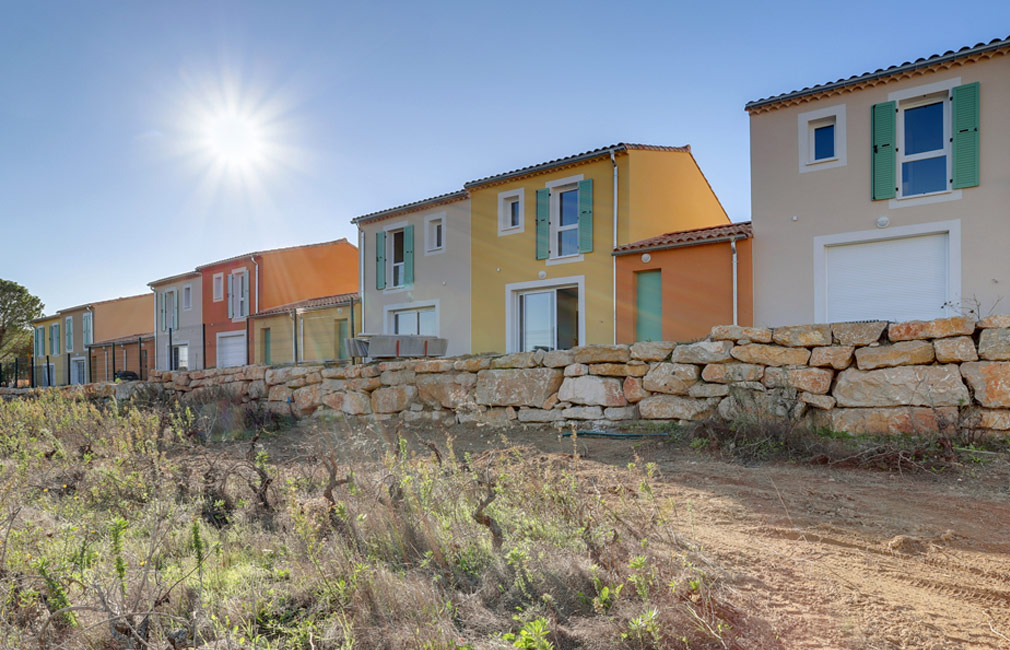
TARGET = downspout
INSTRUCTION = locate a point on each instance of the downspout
(361, 278)
(157, 345)
(732, 245)
(613, 259)
(253, 259)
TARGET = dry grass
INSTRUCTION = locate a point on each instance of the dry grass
(126, 528)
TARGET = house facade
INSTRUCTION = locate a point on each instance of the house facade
(178, 316)
(313, 330)
(47, 360)
(678, 285)
(883, 196)
(543, 273)
(238, 287)
(415, 270)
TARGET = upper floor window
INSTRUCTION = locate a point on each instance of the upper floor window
(824, 141)
(510, 212)
(187, 296)
(565, 219)
(40, 341)
(87, 328)
(54, 338)
(821, 138)
(397, 258)
(434, 234)
(218, 282)
(68, 325)
(238, 294)
(394, 257)
(169, 310)
(924, 145)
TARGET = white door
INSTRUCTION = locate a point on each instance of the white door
(891, 279)
(230, 350)
(77, 372)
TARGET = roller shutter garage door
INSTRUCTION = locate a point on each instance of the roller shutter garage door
(891, 279)
(230, 350)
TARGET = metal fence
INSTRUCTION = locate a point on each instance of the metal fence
(16, 373)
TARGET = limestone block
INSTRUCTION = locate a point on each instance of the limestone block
(558, 358)
(956, 349)
(652, 350)
(990, 382)
(702, 352)
(771, 355)
(802, 336)
(903, 353)
(901, 386)
(738, 333)
(519, 360)
(670, 378)
(630, 369)
(521, 387)
(582, 413)
(931, 329)
(708, 390)
(634, 391)
(393, 399)
(675, 407)
(590, 390)
(838, 357)
(858, 333)
(473, 364)
(576, 370)
(725, 373)
(601, 354)
(907, 421)
(994, 344)
(811, 380)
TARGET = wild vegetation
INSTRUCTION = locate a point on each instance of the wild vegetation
(128, 526)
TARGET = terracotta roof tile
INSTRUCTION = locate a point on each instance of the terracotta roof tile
(342, 240)
(687, 238)
(441, 199)
(311, 303)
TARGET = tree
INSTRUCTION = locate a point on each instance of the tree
(18, 309)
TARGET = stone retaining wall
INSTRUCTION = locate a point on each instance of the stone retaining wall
(859, 377)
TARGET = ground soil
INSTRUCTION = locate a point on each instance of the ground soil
(828, 558)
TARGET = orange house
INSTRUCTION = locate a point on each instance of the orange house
(676, 286)
(240, 286)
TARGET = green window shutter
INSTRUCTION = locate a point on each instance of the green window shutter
(56, 338)
(266, 346)
(543, 224)
(161, 310)
(231, 295)
(884, 157)
(964, 100)
(586, 216)
(408, 255)
(380, 260)
(175, 312)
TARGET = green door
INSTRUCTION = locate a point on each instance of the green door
(266, 346)
(648, 306)
(342, 336)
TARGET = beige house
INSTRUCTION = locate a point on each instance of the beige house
(415, 270)
(884, 195)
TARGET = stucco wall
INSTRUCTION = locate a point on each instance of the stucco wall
(318, 340)
(124, 317)
(837, 200)
(190, 329)
(441, 280)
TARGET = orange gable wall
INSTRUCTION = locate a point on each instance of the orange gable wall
(124, 317)
(697, 286)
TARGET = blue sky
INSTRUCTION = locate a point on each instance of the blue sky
(107, 181)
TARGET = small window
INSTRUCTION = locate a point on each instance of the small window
(187, 297)
(218, 287)
(510, 212)
(397, 258)
(434, 234)
(824, 142)
(822, 138)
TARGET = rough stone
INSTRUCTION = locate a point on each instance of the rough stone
(284, 374)
(634, 391)
(670, 378)
(601, 354)
(441, 390)
(708, 390)
(386, 366)
(539, 415)
(279, 393)
(468, 379)
(256, 389)
(335, 372)
(802, 336)
(756, 405)
(599, 391)
(771, 355)
(994, 344)
(725, 373)
(738, 333)
(702, 352)
(630, 369)
(903, 353)
(994, 321)
(366, 371)
(433, 365)
(901, 386)
(550, 402)
(397, 377)
(907, 420)
(989, 381)
(519, 360)
(931, 329)
(955, 349)
(523, 387)
(576, 370)
(621, 413)
(837, 357)
(557, 358)
(998, 419)
(675, 407)
(823, 402)
(307, 399)
(393, 399)
(363, 383)
(356, 403)
(472, 364)
(652, 350)
(811, 380)
(582, 413)
(254, 373)
(858, 333)
(313, 376)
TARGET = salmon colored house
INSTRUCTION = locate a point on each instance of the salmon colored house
(238, 287)
(676, 286)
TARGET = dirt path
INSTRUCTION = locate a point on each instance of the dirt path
(830, 558)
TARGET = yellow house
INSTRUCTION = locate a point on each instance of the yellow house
(321, 324)
(47, 352)
(542, 238)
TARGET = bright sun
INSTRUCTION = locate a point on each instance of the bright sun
(234, 140)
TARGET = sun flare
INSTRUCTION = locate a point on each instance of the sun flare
(234, 140)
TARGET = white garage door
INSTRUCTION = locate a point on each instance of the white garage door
(894, 279)
(230, 350)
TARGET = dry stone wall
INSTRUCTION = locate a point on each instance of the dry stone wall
(875, 377)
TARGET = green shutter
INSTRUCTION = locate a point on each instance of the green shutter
(543, 223)
(648, 306)
(408, 255)
(161, 310)
(586, 216)
(56, 338)
(964, 100)
(884, 158)
(380, 260)
(266, 346)
(342, 337)
(175, 311)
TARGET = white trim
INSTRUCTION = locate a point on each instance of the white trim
(428, 250)
(72, 360)
(564, 181)
(941, 97)
(505, 199)
(218, 297)
(805, 124)
(567, 259)
(924, 199)
(951, 228)
(925, 89)
(554, 218)
(389, 310)
(188, 285)
(512, 291)
(395, 226)
(217, 350)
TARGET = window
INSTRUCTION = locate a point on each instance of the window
(549, 319)
(924, 145)
(180, 357)
(218, 282)
(68, 325)
(822, 138)
(169, 310)
(434, 234)
(86, 327)
(565, 227)
(238, 294)
(54, 338)
(40, 341)
(415, 322)
(187, 297)
(266, 345)
(510, 212)
(397, 258)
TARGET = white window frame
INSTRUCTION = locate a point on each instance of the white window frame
(389, 314)
(239, 299)
(88, 331)
(187, 297)
(556, 187)
(83, 361)
(393, 264)
(951, 228)
(68, 333)
(430, 223)
(505, 201)
(806, 123)
(514, 289)
(177, 344)
(942, 98)
(168, 313)
(217, 280)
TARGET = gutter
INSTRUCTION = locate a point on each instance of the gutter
(613, 271)
(736, 301)
(253, 259)
(361, 276)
